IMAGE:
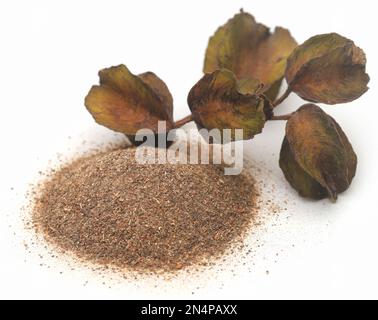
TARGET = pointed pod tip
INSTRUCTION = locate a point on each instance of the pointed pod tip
(332, 194)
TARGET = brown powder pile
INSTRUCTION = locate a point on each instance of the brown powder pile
(108, 209)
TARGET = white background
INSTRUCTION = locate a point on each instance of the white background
(50, 54)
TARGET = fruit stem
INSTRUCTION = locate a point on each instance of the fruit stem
(282, 98)
(282, 117)
(182, 121)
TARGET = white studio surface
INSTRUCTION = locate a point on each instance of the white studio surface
(50, 55)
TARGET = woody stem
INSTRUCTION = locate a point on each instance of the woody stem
(182, 121)
(282, 117)
(282, 98)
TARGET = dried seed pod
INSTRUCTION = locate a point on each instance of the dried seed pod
(298, 178)
(220, 101)
(160, 88)
(316, 154)
(249, 50)
(328, 69)
(127, 103)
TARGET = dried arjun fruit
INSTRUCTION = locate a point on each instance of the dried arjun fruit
(249, 50)
(244, 67)
(298, 178)
(220, 101)
(127, 103)
(328, 69)
(316, 156)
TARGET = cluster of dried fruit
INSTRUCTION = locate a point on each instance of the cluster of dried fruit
(244, 66)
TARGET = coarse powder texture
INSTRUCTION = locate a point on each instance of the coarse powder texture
(108, 209)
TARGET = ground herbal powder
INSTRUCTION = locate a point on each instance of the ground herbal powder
(108, 209)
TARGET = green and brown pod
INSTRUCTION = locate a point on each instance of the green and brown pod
(316, 156)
